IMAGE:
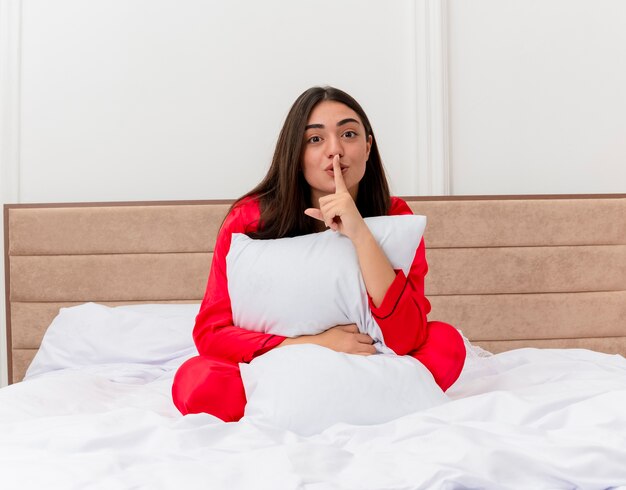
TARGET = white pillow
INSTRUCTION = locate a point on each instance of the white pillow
(307, 284)
(307, 388)
(93, 334)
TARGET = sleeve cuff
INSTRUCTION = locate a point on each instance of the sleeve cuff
(392, 297)
(271, 342)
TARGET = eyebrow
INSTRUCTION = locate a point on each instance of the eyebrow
(340, 123)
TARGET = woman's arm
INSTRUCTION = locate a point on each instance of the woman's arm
(214, 333)
(397, 303)
(339, 212)
(342, 338)
(403, 311)
(378, 275)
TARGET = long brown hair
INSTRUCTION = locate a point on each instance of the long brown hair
(284, 194)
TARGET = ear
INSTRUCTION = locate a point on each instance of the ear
(368, 146)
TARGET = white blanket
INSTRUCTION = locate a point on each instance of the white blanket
(524, 419)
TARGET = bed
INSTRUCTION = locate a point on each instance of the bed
(537, 284)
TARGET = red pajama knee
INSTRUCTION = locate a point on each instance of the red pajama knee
(443, 353)
(205, 384)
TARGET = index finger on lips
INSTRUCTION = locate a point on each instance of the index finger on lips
(340, 184)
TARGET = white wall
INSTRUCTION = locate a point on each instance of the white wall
(167, 99)
(9, 139)
(183, 99)
(537, 96)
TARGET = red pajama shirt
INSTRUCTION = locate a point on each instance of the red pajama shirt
(222, 345)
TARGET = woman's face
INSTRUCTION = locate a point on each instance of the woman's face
(334, 129)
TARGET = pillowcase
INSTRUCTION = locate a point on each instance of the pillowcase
(93, 334)
(306, 388)
(307, 284)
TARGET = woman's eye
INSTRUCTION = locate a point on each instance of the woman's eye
(349, 134)
(314, 139)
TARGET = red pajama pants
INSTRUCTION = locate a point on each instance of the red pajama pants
(214, 386)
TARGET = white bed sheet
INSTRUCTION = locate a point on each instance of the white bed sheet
(523, 419)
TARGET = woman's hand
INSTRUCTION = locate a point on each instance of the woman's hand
(342, 338)
(338, 211)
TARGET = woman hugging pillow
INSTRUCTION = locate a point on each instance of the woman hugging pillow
(326, 174)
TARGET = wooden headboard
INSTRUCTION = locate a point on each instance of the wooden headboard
(510, 271)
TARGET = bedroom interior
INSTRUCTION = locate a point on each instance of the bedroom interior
(128, 128)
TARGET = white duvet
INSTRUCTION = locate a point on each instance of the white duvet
(524, 419)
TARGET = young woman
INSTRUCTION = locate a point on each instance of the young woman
(326, 172)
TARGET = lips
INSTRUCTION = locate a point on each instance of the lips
(329, 168)
(331, 172)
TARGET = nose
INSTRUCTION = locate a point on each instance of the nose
(335, 147)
